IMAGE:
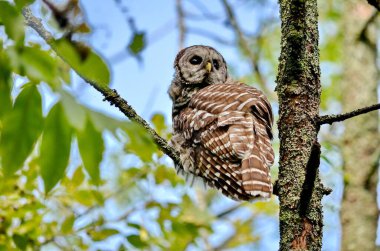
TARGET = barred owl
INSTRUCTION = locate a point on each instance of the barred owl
(221, 128)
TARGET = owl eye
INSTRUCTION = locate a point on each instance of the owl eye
(195, 60)
(215, 64)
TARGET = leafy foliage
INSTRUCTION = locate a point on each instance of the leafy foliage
(83, 60)
(62, 186)
(55, 147)
(21, 128)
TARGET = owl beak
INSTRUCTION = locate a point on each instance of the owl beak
(208, 67)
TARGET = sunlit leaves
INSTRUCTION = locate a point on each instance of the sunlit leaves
(243, 234)
(21, 129)
(140, 142)
(13, 21)
(67, 224)
(193, 214)
(91, 148)
(75, 113)
(22, 3)
(164, 173)
(55, 147)
(83, 60)
(102, 234)
(34, 63)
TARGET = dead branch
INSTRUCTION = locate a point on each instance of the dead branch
(329, 119)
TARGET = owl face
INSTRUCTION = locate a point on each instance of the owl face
(200, 64)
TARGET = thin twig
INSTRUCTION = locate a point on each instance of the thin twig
(229, 211)
(246, 48)
(181, 24)
(329, 119)
(109, 94)
(204, 10)
(210, 35)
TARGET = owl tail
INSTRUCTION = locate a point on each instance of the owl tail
(256, 177)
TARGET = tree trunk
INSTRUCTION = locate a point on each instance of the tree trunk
(361, 141)
(298, 86)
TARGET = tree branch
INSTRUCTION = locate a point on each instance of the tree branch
(375, 3)
(181, 23)
(246, 47)
(329, 119)
(109, 94)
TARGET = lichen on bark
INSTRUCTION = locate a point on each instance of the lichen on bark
(298, 88)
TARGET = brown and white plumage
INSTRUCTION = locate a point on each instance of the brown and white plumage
(222, 128)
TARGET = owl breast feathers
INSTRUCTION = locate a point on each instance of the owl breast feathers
(222, 128)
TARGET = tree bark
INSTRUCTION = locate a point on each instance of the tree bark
(361, 141)
(298, 87)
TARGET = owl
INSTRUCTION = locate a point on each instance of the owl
(221, 128)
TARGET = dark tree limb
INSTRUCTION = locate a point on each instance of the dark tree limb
(364, 36)
(375, 3)
(329, 119)
(109, 94)
(371, 180)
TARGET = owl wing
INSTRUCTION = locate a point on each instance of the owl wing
(229, 126)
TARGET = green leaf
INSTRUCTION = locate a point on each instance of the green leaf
(158, 121)
(5, 83)
(102, 234)
(13, 21)
(84, 197)
(164, 173)
(78, 176)
(55, 147)
(21, 129)
(193, 214)
(67, 224)
(91, 147)
(161, 174)
(20, 241)
(22, 3)
(103, 122)
(245, 236)
(88, 64)
(137, 43)
(75, 113)
(98, 197)
(140, 142)
(136, 241)
(34, 63)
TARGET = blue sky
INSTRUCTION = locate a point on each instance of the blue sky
(144, 84)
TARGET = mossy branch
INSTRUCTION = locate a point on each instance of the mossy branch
(329, 119)
(109, 94)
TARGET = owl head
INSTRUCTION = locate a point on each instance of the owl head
(199, 64)
(196, 67)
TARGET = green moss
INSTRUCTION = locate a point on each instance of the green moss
(298, 88)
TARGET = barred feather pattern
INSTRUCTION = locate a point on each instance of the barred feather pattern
(224, 137)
